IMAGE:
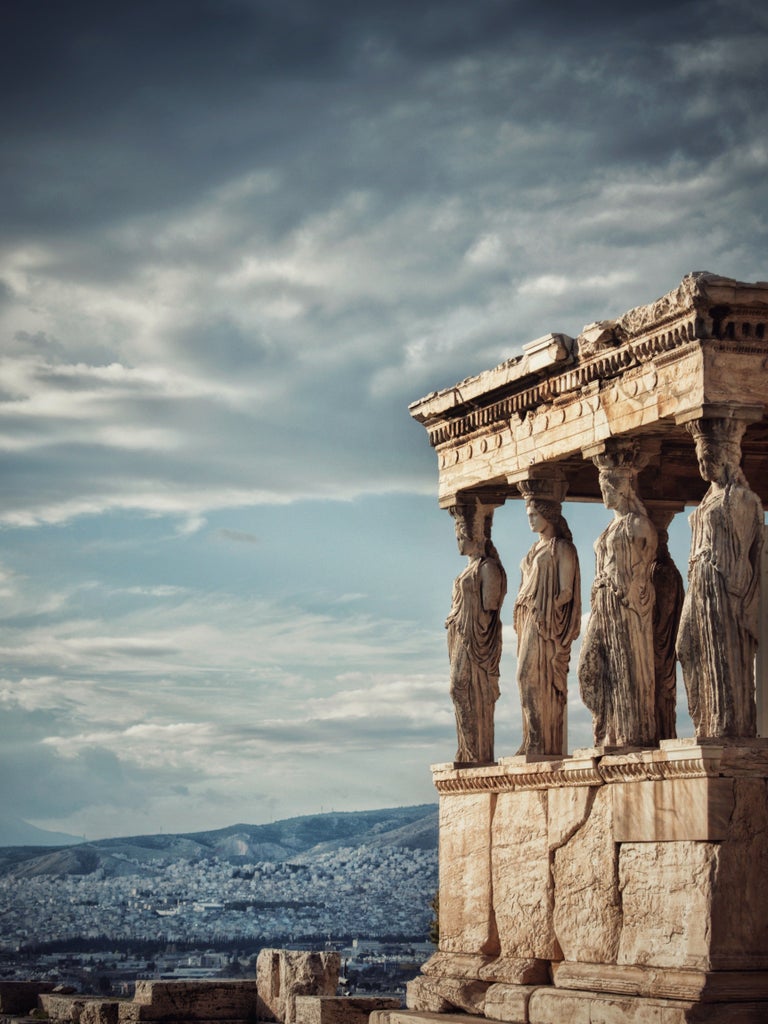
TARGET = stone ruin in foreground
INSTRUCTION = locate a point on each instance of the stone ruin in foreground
(626, 882)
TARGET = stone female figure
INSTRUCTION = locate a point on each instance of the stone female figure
(474, 634)
(717, 638)
(616, 665)
(547, 619)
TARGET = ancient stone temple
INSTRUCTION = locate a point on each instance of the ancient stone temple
(626, 882)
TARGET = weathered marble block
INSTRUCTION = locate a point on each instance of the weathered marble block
(467, 921)
(523, 888)
(587, 905)
(284, 974)
(558, 1006)
(340, 1009)
(739, 911)
(410, 1017)
(446, 995)
(666, 892)
(190, 1001)
(100, 1011)
(670, 810)
(80, 1009)
(62, 1007)
(508, 1002)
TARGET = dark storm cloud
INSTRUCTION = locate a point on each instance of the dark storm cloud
(112, 110)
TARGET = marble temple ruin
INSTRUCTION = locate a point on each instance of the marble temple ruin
(628, 881)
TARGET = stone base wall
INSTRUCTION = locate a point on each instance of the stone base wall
(641, 875)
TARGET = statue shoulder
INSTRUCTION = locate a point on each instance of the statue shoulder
(565, 551)
(640, 527)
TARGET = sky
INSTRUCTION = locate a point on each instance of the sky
(238, 238)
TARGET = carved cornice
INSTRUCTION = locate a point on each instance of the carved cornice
(703, 309)
(689, 768)
(462, 423)
(633, 771)
(511, 774)
(684, 759)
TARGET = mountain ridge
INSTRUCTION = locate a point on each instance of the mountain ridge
(299, 838)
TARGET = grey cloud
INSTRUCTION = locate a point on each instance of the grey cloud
(329, 735)
(151, 106)
(37, 783)
(239, 536)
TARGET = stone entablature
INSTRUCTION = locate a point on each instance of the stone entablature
(644, 374)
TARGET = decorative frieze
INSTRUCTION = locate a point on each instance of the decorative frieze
(674, 759)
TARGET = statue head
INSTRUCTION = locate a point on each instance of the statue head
(718, 448)
(617, 488)
(545, 518)
(473, 528)
(618, 467)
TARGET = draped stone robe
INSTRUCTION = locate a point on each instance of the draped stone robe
(474, 647)
(545, 632)
(718, 629)
(616, 666)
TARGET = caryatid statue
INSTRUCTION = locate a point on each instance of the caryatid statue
(717, 638)
(547, 619)
(616, 665)
(669, 592)
(474, 633)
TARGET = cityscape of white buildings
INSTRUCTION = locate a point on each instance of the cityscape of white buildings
(362, 891)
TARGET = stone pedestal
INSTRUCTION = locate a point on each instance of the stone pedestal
(625, 886)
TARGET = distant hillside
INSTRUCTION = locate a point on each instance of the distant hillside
(16, 832)
(294, 839)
